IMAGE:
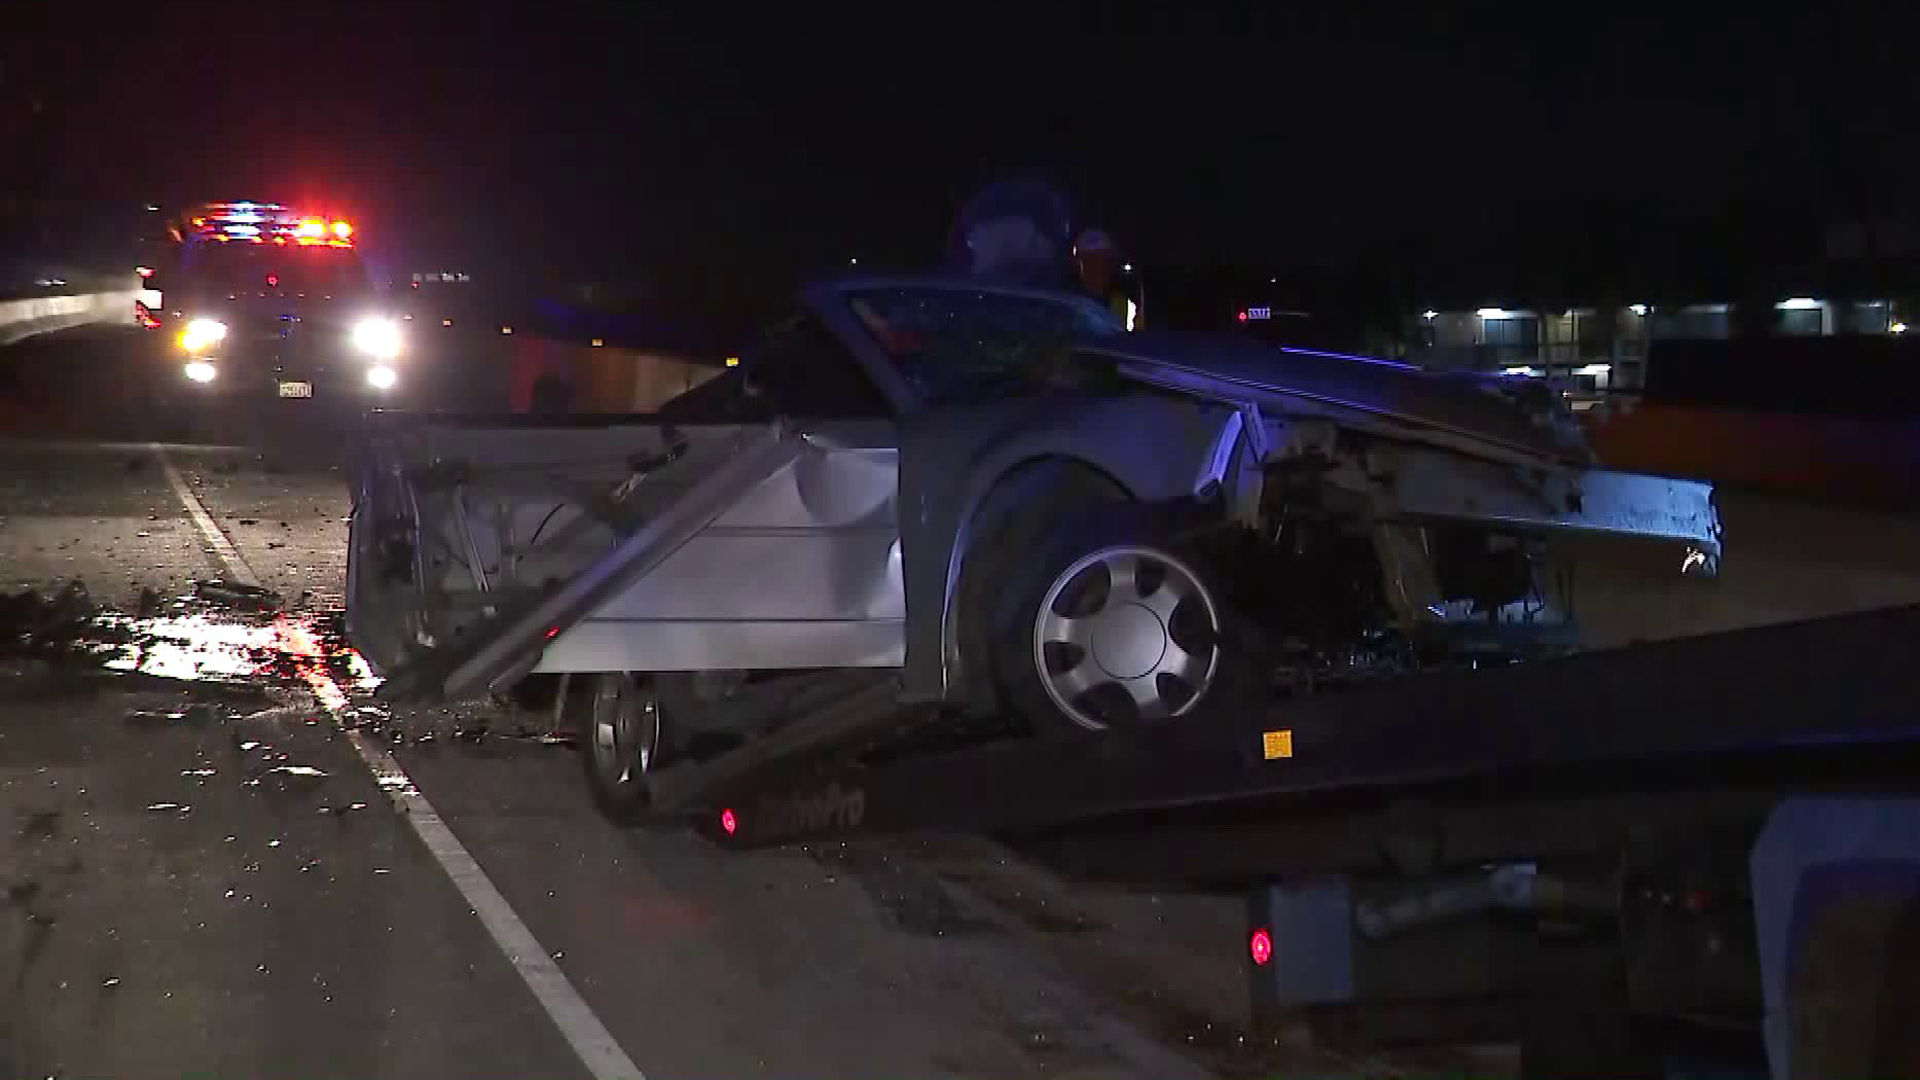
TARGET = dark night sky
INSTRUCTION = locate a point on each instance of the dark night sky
(762, 141)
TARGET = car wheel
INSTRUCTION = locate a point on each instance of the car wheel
(618, 730)
(1118, 626)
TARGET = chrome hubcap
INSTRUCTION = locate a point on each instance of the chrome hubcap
(1126, 632)
(625, 722)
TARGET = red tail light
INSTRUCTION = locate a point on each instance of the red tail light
(728, 823)
(1260, 947)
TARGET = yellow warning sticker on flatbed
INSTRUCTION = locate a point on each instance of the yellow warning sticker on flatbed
(1275, 745)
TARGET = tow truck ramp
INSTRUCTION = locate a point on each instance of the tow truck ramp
(1623, 861)
(1798, 698)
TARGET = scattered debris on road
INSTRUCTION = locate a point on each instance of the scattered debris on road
(244, 597)
(192, 715)
(29, 617)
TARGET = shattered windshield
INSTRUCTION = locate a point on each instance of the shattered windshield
(952, 342)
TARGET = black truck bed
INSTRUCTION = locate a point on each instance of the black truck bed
(1793, 698)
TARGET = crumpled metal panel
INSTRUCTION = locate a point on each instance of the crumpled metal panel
(818, 539)
(1489, 411)
(1428, 484)
(803, 570)
(458, 520)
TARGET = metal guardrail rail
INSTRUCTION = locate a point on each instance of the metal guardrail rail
(22, 319)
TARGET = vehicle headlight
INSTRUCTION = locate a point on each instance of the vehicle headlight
(382, 377)
(200, 371)
(202, 334)
(378, 338)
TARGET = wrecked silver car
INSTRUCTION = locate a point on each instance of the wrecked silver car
(996, 501)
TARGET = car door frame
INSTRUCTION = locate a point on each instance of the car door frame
(800, 569)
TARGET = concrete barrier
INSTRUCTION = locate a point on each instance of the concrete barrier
(21, 319)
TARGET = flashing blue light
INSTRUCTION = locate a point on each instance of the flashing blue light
(245, 216)
(243, 206)
(1350, 356)
(243, 230)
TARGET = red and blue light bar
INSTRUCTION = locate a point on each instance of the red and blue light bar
(261, 223)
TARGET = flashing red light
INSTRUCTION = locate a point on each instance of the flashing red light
(552, 632)
(416, 284)
(273, 281)
(1260, 947)
(144, 317)
(728, 822)
(1243, 316)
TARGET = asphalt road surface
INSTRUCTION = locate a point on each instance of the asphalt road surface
(216, 858)
(219, 859)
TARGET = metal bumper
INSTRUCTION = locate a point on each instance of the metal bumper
(1595, 503)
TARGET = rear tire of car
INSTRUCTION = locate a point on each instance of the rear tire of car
(1114, 623)
(617, 723)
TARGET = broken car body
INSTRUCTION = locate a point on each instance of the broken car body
(890, 483)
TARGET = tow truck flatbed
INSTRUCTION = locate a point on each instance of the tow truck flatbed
(1669, 830)
(1832, 693)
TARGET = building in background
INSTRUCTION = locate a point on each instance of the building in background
(1606, 348)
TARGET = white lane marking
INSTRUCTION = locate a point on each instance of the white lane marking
(590, 1039)
(223, 548)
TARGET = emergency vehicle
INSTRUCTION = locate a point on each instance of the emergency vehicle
(265, 300)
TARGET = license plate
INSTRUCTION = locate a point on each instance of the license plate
(296, 389)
